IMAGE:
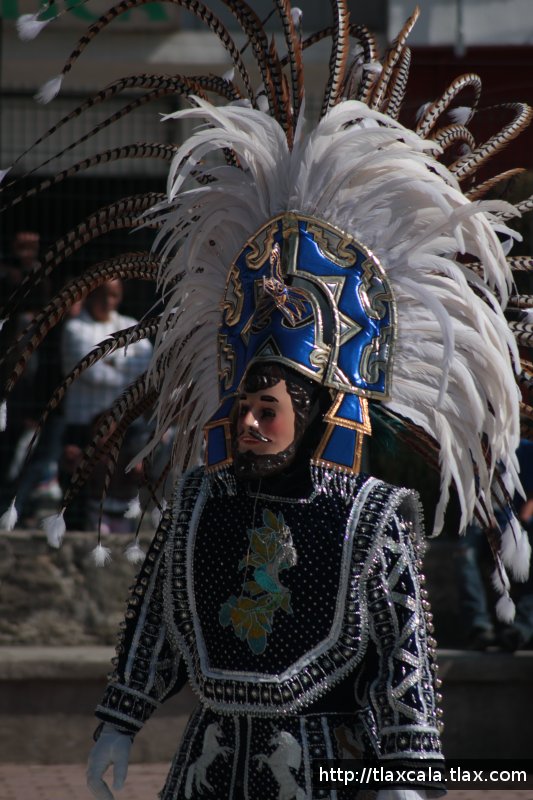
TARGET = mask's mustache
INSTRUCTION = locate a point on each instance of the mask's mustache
(256, 435)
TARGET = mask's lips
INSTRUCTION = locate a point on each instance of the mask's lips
(252, 433)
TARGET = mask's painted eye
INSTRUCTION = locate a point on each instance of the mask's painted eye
(268, 413)
(243, 409)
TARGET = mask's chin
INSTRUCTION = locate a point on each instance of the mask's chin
(249, 465)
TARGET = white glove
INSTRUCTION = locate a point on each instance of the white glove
(112, 747)
(401, 794)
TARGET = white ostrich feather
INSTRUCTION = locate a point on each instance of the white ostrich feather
(134, 509)
(49, 90)
(101, 555)
(500, 581)
(368, 175)
(54, 527)
(9, 518)
(505, 609)
(516, 550)
(29, 26)
(460, 115)
(134, 553)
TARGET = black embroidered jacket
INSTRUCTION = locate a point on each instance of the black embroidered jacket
(299, 621)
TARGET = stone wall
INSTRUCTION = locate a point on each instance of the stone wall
(59, 597)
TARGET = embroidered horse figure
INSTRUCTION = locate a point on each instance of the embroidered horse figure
(211, 749)
(286, 757)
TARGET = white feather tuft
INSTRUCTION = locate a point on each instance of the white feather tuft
(133, 510)
(157, 512)
(296, 14)
(29, 26)
(134, 553)
(3, 416)
(9, 518)
(101, 555)
(229, 76)
(516, 550)
(54, 527)
(155, 516)
(3, 173)
(460, 115)
(421, 111)
(49, 90)
(262, 103)
(505, 609)
(500, 581)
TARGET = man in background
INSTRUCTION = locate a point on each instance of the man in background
(98, 387)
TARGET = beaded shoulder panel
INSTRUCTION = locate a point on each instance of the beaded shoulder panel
(322, 633)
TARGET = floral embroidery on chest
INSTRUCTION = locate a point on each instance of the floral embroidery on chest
(270, 552)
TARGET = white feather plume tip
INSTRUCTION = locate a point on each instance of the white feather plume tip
(229, 75)
(516, 550)
(134, 553)
(49, 90)
(133, 510)
(500, 581)
(460, 114)
(421, 111)
(8, 520)
(3, 173)
(262, 103)
(101, 555)
(54, 527)
(29, 26)
(296, 14)
(157, 513)
(373, 66)
(505, 609)
(3, 416)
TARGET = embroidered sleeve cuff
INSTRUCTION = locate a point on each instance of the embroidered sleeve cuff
(407, 744)
(126, 708)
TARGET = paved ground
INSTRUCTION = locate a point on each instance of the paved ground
(67, 782)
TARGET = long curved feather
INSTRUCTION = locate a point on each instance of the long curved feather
(469, 164)
(339, 55)
(141, 266)
(158, 150)
(121, 215)
(196, 7)
(434, 110)
(393, 56)
(398, 85)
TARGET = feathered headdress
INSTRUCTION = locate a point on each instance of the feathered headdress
(359, 185)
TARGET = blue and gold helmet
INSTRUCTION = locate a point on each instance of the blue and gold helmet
(307, 295)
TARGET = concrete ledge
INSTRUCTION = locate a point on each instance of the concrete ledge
(47, 701)
(54, 663)
(459, 666)
(20, 663)
(59, 597)
(48, 696)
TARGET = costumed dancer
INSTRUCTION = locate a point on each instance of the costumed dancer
(329, 280)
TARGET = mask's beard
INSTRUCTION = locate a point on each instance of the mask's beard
(308, 402)
(249, 465)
